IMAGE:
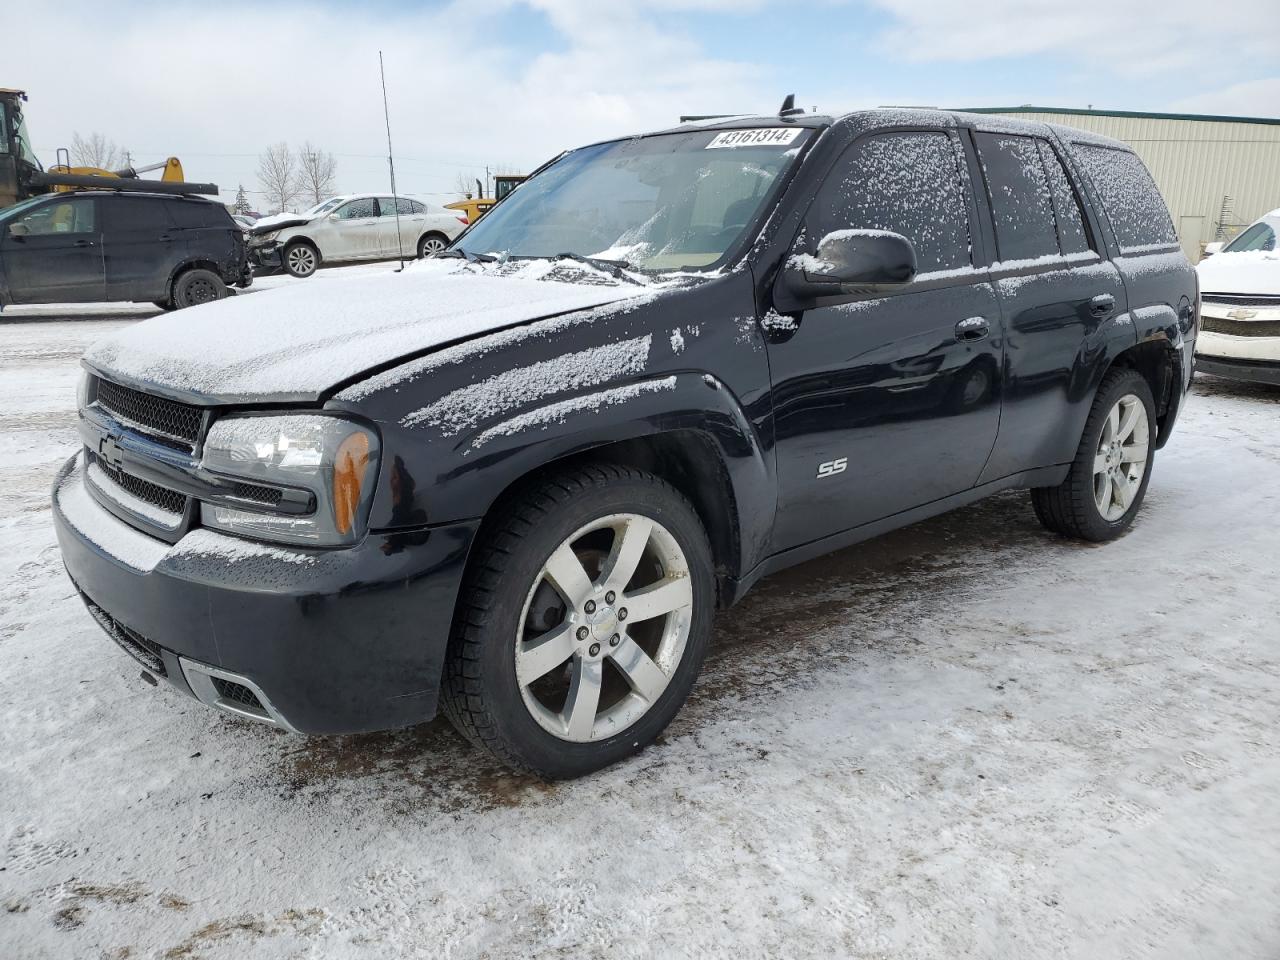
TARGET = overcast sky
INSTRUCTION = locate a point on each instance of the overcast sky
(513, 82)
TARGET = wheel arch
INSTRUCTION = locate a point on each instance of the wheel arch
(1160, 364)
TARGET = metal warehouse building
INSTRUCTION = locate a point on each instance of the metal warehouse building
(1218, 174)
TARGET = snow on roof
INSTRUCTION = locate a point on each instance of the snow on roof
(298, 343)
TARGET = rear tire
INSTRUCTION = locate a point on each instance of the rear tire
(300, 259)
(195, 287)
(547, 669)
(431, 245)
(1112, 467)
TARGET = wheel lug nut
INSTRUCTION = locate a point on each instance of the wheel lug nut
(615, 640)
(609, 597)
(595, 649)
(583, 633)
(589, 606)
(622, 614)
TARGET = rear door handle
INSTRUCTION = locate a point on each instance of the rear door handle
(971, 329)
(1103, 305)
(83, 243)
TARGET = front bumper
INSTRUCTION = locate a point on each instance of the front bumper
(1252, 371)
(266, 257)
(328, 641)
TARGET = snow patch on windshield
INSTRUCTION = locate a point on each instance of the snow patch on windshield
(677, 341)
(561, 410)
(468, 406)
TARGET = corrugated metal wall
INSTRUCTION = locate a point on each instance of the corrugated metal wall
(1196, 163)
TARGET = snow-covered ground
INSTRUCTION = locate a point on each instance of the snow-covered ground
(967, 739)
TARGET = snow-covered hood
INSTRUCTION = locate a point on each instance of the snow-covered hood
(1254, 272)
(278, 221)
(301, 342)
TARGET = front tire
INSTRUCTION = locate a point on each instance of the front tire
(431, 245)
(1108, 478)
(582, 622)
(300, 259)
(195, 287)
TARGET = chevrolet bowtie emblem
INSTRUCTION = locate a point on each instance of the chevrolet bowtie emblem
(1242, 314)
(109, 450)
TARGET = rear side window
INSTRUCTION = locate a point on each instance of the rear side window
(909, 183)
(192, 215)
(1129, 196)
(1072, 235)
(1021, 203)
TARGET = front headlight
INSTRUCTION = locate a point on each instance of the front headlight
(334, 458)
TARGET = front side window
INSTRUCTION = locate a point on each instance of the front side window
(678, 201)
(908, 183)
(66, 216)
(1021, 203)
(1129, 197)
(358, 209)
(1260, 236)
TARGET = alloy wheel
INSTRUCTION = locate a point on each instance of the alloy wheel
(302, 260)
(604, 628)
(1121, 458)
(431, 246)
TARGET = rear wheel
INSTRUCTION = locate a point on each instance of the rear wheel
(1109, 476)
(196, 287)
(301, 259)
(582, 624)
(431, 245)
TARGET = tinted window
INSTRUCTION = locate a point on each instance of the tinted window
(1072, 235)
(1129, 196)
(909, 183)
(66, 216)
(125, 212)
(1021, 205)
(357, 209)
(190, 214)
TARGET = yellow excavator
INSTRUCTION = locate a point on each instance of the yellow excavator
(22, 176)
(474, 209)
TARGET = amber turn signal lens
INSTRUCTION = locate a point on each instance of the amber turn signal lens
(348, 474)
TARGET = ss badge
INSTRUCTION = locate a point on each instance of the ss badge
(832, 467)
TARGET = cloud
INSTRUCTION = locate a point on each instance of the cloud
(1145, 36)
(1256, 98)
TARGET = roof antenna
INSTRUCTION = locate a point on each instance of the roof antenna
(391, 164)
(789, 108)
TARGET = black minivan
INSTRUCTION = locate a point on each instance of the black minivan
(515, 482)
(93, 246)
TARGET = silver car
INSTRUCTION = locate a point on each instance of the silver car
(353, 227)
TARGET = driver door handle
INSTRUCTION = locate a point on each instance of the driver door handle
(972, 328)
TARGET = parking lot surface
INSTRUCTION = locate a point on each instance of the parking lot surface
(968, 738)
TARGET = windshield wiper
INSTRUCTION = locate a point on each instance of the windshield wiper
(614, 268)
(467, 256)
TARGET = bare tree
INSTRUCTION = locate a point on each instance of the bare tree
(465, 184)
(278, 176)
(317, 173)
(97, 151)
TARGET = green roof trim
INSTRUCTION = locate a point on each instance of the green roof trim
(1071, 111)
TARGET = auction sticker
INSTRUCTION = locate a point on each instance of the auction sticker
(759, 137)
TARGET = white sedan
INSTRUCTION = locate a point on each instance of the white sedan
(353, 227)
(1240, 315)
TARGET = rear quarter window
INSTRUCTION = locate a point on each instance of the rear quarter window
(1129, 198)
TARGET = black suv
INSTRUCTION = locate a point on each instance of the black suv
(515, 482)
(91, 246)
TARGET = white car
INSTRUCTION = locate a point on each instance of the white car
(1240, 316)
(353, 227)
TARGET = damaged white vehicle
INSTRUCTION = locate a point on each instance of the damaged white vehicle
(364, 226)
(1240, 288)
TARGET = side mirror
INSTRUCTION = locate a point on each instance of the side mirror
(19, 230)
(849, 263)
(1211, 248)
(334, 218)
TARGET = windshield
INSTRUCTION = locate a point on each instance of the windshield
(321, 207)
(18, 209)
(1260, 236)
(671, 202)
